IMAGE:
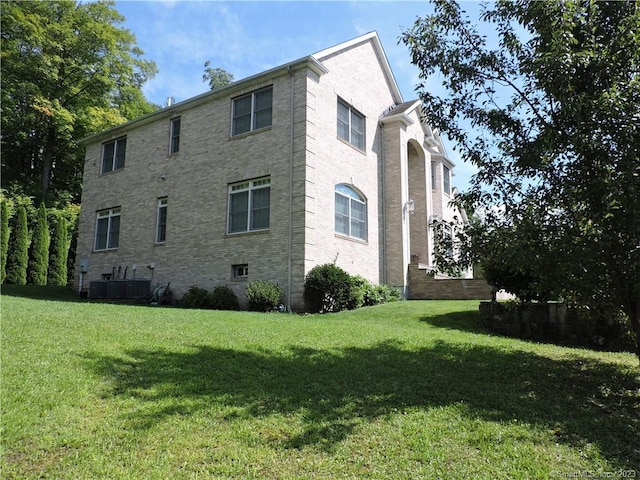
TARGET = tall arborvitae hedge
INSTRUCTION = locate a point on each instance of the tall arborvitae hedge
(4, 240)
(58, 253)
(18, 252)
(39, 255)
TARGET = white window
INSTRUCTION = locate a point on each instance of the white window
(252, 111)
(174, 136)
(240, 271)
(161, 222)
(249, 205)
(433, 175)
(351, 212)
(446, 180)
(350, 125)
(113, 154)
(107, 229)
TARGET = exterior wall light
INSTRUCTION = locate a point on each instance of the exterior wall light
(410, 207)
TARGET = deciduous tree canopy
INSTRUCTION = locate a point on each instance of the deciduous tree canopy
(548, 110)
(68, 70)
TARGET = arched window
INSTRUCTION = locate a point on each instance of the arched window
(351, 212)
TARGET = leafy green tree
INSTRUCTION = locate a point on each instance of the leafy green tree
(58, 252)
(216, 77)
(548, 111)
(18, 254)
(68, 70)
(39, 254)
(4, 246)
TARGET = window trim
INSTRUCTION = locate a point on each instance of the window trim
(251, 186)
(362, 200)
(252, 112)
(351, 113)
(174, 140)
(114, 157)
(163, 203)
(108, 213)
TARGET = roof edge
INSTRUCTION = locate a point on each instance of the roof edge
(371, 36)
(304, 62)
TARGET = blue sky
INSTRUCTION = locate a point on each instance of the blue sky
(246, 38)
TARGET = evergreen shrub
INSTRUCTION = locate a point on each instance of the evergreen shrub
(223, 298)
(196, 297)
(18, 250)
(263, 296)
(39, 254)
(327, 288)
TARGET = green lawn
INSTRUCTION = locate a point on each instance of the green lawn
(404, 391)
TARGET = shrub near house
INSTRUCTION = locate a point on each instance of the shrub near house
(328, 288)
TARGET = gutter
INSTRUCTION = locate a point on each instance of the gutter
(224, 92)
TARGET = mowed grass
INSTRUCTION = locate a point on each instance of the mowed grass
(404, 391)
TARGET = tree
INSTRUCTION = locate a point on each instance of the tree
(216, 77)
(39, 254)
(548, 111)
(18, 253)
(4, 246)
(68, 70)
(58, 253)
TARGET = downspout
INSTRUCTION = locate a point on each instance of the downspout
(290, 253)
(383, 210)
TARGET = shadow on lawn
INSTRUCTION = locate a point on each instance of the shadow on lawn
(37, 292)
(466, 321)
(581, 401)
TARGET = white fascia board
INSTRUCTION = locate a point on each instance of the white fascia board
(226, 91)
(377, 45)
(399, 117)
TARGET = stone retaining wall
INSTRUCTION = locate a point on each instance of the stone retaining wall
(554, 322)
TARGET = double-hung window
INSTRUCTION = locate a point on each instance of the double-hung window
(252, 111)
(161, 222)
(249, 205)
(446, 180)
(351, 213)
(107, 229)
(174, 136)
(350, 125)
(113, 153)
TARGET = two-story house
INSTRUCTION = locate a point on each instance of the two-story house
(315, 161)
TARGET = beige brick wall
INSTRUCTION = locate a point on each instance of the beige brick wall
(305, 160)
(197, 251)
(332, 161)
(425, 287)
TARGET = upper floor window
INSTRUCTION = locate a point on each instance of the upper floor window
(350, 125)
(249, 205)
(351, 212)
(446, 180)
(113, 154)
(252, 111)
(433, 175)
(174, 136)
(107, 229)
(161, 222)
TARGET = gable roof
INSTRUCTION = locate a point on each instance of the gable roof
(382, 57)
(314, 62)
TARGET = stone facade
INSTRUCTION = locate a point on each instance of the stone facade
(303, 159)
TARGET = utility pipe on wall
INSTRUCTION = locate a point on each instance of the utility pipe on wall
(292, 152)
